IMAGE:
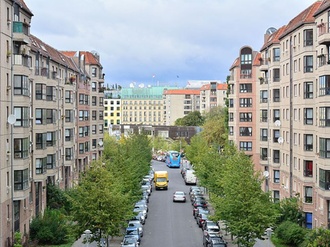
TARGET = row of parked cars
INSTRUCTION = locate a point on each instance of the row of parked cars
(134, 229)
(212, 236)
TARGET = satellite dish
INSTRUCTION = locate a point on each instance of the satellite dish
(11, 119)
(280, 140)
(100, 143)
(141, 85)
(277, 123)
(131, 85)
(266, 174)
(271, 30)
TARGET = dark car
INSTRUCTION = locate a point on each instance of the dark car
(217, 242)
(196, 198)
(200, 203)
(213, 238)
(200, 219)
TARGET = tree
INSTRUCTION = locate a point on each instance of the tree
(246, 209)
(290, 209)
(191, 119)
(318, 237)
(98, 203)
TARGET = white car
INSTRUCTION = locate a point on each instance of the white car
(179, 196)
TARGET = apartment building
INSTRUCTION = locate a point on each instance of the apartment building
(112, 107)
(143, 105)
(291, 98)
(212, 94)
(179, 103)
(42, 118)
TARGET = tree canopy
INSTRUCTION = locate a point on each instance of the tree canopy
(194, 118)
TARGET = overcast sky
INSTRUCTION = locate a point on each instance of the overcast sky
(160, 42)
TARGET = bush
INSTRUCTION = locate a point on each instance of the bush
(290, 233)
(51, 228)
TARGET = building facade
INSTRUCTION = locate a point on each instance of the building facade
(112, 107)
(48, 135)
(291, 95)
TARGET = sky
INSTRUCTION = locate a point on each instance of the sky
(160, 42)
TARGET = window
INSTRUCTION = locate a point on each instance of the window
(51, 161)
(40, 116)
(308, 168)
(68, 134)
(231, 103)
(308, 116)
(245, 146)
(263, 96)
(101, 115)
(276, 75)
(264, 116)
(231, 130)
(324, 85)
(94, 100)
(81, 131)
(81, 99)
(94, 86)
(276, 194)
(245, 88)
(21, 179)
(263, 153)
(93, 115)
(68, 96)
(308, 194)
(246, 58)
(22, 116)
(276, 176)
(245, 131)
(50, 116)
(308, 90)
(41, 140)
(324, 148)
(276, 156)
(276, 95)
(324, 114)
(276, 54)
(324, 179)
(308, 142)
(308, 64)
(231, 117)
(101, 128)
(68, 153)
(50, 93)
(276, 135)
(41, 165)
(308, 37)
(93, 129)
(245, 102)
(40, 91)
(21, 85)
(69, 116)
(51, 139)
(276, 115)
(81, 148)
(93, 143)
(21, 148)
(94, 71)
(263, 135)
(245, 117)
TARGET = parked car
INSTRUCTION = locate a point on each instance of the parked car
(201, 210)
(179, 196)
(141, 208)
(147, 188)
(200, 203)
(210, 223)
(213, 239)
(129, 241)
(142, 202)
(134, 232)
(136, 223)
(139, 216)
(200, 219)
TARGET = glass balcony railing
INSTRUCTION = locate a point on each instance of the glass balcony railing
(20, 27)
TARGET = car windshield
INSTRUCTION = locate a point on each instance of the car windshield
(131, 232)
(179, 193)
(161, 179)
(129, 241)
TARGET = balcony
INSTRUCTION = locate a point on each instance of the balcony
(21, 32)
(264, 65)
(324, 34)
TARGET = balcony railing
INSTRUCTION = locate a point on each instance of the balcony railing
(20, 27)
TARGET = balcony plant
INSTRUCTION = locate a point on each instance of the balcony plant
(261, 79)
(72, 79)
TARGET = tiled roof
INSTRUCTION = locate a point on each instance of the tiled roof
(220, 86)
(90, 58)
(324, 5)
(46, 50)
(24, 6)
(306, 16)
(273, 38)
(181, 91)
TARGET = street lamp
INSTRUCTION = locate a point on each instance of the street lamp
(87, 236)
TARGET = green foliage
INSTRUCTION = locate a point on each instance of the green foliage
(289, 209)
(290, 233)
(192, 119)
(242, 195)
(17, 239)
(56, 198)
(318, 237)
(50, 228)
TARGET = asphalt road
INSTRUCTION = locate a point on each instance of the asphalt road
(168, 223)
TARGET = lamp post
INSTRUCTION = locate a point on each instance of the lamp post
(88, 235)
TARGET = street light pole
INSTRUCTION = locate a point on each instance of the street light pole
(87, 236)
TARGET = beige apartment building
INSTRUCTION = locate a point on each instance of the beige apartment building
(291, 100)
(47, 133)
(212, 94)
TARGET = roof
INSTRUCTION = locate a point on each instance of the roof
(91, 58)
(181, 91)
(324, 5)
(23, 6)
(305, 17)
(220, 86)
(46, 50)
(273, 38)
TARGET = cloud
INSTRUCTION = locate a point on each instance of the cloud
(136, 39)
